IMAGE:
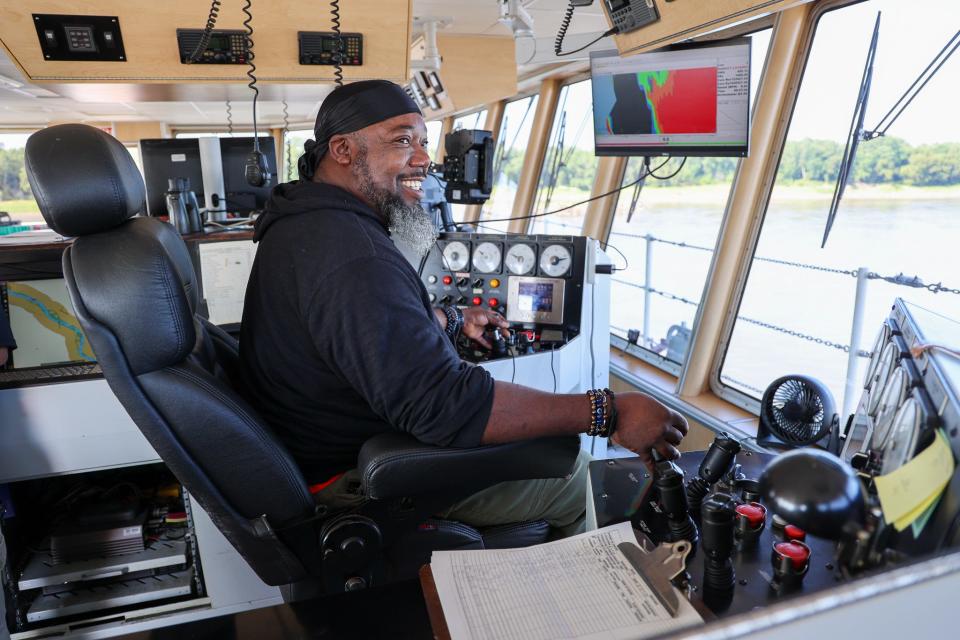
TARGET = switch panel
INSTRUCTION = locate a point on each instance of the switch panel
(72, 37)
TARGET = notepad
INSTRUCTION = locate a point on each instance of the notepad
(908, 492)
(581, 587)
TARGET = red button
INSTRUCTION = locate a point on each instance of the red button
(493, 302)
(447, 280)
(477, 301)
(753, 512)
(797, 552)
(793, 532)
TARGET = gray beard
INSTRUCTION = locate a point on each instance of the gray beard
(410, 225)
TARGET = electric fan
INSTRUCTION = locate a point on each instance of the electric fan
(796, 411)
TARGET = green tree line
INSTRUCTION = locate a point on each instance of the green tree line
(880, 161)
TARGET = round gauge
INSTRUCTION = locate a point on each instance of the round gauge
(892, 397)
(882, 338)
(486, 257)
(888, 360)
(520, 259)
(456, 255)
(555, 260)
(903, 437)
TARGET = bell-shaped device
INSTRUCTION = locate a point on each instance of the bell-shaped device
(815, 491)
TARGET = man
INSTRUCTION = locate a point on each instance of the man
(339, 341)
(7, 343)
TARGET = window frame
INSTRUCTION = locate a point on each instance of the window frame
(761, 208)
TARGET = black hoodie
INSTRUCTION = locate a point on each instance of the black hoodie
(339, 342)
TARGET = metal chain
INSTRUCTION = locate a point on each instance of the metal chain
(766, 325)
(900, 279)
(725, 378)
(912, 281)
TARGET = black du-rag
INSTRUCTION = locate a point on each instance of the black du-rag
(350, 108)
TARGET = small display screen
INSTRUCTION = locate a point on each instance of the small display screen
(219, 43)
(535, 296)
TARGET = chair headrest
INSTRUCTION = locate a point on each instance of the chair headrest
(83, 179)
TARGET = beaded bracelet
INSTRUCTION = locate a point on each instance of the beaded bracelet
(603, 413)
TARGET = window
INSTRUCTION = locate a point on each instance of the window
(16, 198)
(898, 215)
(569, 167)
(473, 120)
(292, 150)
(511, 144)
(664, 235)
(434, 127)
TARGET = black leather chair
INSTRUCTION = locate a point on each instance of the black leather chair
(135, 292)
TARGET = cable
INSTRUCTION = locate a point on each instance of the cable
(207, 30)
(562, 32)
(229, 118)
(577, 204)
(288, 158)
(337, 55)
(656, 177)
(626, 263)
(553, 371)
(252, 69)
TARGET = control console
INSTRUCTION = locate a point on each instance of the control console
(535, 281)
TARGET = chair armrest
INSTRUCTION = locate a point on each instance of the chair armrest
(396, 465)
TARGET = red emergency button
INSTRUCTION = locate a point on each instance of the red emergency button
(793, 532)
(797, 552)
(493, 302)
(447, 280)
(477, 301)
(753, 512)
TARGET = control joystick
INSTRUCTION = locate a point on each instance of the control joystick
(718, 461)
(499, 345)
(716, 539)
(673, 500)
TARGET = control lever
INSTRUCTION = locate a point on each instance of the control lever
(718, 462)
(716, 531)
(673, 499)
(499, 344)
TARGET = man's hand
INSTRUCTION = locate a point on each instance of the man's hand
(644, 424)
(4, 354)
(476, 320)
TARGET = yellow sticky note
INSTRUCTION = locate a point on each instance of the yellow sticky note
(904, 491)
(908, 519)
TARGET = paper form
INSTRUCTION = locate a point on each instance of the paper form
(908, 491)
(581, 587)
(224, 271)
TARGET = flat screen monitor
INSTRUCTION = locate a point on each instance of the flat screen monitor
(169, 158)
(241, 197)
(51, 345)
(685, 100)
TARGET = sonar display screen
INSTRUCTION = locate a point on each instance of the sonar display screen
(681, 101)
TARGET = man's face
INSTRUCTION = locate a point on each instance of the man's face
(395, 158)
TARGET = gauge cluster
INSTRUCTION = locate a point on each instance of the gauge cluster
(535, 281)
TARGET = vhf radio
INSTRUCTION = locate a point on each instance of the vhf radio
(321, 48)
(630, 15)
(224, 46)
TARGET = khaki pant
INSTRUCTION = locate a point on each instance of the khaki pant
(559, 501)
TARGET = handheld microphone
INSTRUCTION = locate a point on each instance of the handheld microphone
(256, 170)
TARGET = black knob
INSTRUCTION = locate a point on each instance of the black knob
(816, 491)
(720, 458)
(673, 500)
(499, 344)
(462, 282)
(478, 283)
(445, 300)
